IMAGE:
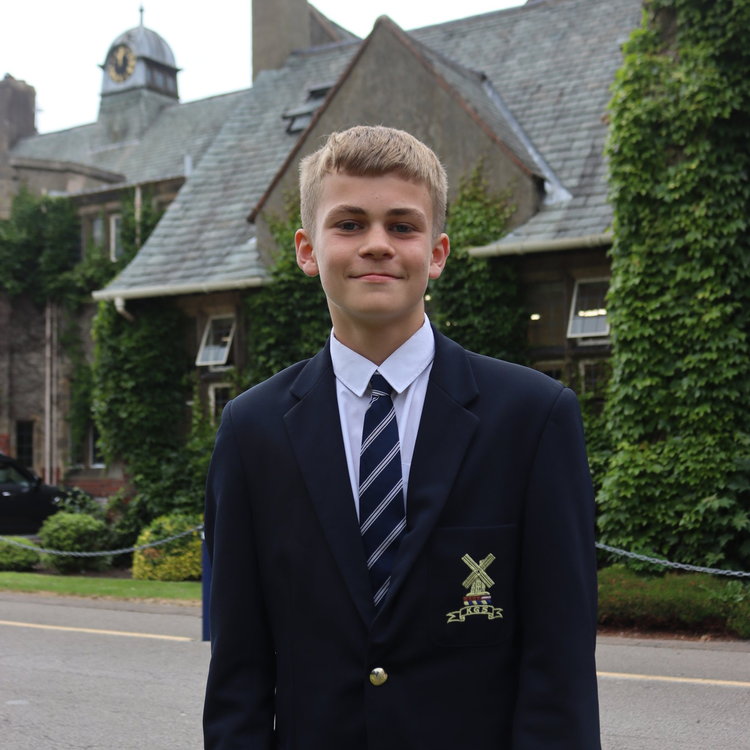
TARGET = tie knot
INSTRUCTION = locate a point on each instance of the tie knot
(380, 386)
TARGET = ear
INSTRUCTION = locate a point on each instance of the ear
(440, 251)
(305, 254)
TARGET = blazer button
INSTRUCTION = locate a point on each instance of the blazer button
(378, 676)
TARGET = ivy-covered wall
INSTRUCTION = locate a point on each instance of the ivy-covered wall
(679, 405)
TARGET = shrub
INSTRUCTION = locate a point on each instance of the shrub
(74, 532)
(75, 500)
(17, 558)
(674, 601)
(179, 560)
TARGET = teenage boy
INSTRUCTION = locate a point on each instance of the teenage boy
(401, 530)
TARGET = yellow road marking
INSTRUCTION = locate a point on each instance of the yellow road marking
(665, 678)
(95, 631)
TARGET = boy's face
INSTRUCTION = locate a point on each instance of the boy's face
(374, 250)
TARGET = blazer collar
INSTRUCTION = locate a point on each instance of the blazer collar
(314, 430)
(445, 432)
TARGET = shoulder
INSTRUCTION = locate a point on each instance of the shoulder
(497, 375)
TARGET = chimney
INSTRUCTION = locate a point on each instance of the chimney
(17, 111)
(279, 27)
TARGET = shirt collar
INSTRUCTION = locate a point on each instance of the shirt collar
(401, 368)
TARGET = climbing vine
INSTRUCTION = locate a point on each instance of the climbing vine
(288, 318)
(679, 404)
(478, 301)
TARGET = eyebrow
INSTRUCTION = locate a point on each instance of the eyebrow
(358, 211)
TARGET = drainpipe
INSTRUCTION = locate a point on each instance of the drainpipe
(120, 307)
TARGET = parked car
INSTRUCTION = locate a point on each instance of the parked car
(25, 501)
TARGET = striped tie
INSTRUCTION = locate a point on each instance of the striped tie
(381, 498)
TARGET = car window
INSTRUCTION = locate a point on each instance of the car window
(11, 475)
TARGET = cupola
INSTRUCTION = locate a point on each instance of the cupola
(139, 59)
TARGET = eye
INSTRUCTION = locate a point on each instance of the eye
(348, 225)
(402, 228)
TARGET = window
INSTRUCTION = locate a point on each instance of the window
(588, 313)
(97, 230)
(115, 237)
(25, 443)
(546, 306)
(218, 396)
(216, 341)
(94, 457)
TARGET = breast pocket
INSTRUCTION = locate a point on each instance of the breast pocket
(472, 585)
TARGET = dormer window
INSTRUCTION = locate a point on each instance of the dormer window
(216, 341)
(298, 118)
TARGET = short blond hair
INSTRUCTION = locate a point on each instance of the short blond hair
(369, 151)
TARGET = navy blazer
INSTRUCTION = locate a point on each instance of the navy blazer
(499, 495)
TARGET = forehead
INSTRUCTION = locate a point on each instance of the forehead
(373, 193)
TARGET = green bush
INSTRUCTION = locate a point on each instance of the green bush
(673, 602)
(74, 532)
(179, 560)
(76, 500)
(17, 558)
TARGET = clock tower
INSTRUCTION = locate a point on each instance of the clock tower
(139, 79)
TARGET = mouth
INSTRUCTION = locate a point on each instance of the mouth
(375, 276)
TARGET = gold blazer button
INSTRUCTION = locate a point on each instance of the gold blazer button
(378, 676)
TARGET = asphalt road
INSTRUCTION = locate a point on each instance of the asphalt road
(98, 675)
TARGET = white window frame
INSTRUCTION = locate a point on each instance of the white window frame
(115, 237)
(212, 388)
(574, 317)
(213, 354)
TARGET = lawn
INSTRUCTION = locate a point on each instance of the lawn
(91, 586)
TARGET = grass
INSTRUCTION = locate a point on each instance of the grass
(90, 586)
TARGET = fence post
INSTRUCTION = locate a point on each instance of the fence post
(205, 586)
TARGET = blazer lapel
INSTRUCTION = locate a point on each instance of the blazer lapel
(314, 429)
(445, 431)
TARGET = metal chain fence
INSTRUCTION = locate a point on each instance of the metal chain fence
(103, 553)
(670, 564)
(199, 528)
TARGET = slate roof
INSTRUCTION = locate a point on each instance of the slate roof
(549, 63)
(204, 239)
(180, 129)
(553, 62)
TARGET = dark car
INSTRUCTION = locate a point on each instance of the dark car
(25, 501)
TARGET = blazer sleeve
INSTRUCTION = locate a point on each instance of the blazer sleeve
(239, 704)
(557, 706)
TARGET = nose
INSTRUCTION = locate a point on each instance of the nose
(376, 242)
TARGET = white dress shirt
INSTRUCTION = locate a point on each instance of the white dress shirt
(407, 370)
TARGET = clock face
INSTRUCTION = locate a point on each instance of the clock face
(120, 63)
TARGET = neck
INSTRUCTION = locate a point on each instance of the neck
(378, 342)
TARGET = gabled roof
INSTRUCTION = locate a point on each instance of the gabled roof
(553, 61)
(538, 75)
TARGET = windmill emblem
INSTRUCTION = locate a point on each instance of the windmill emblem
(477, 600)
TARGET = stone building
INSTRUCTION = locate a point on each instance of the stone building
(523, 90)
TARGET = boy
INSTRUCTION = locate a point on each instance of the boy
(401, 531)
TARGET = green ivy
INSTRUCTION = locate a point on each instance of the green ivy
(140, 384)
(288, 318)
(39, 246)
(477, 301)
(679, 305)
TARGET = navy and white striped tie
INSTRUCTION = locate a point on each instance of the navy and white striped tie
(381, 497)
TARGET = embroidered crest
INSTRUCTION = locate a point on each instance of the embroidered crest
(477, 600)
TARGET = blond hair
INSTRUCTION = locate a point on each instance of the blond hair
(368, 151)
